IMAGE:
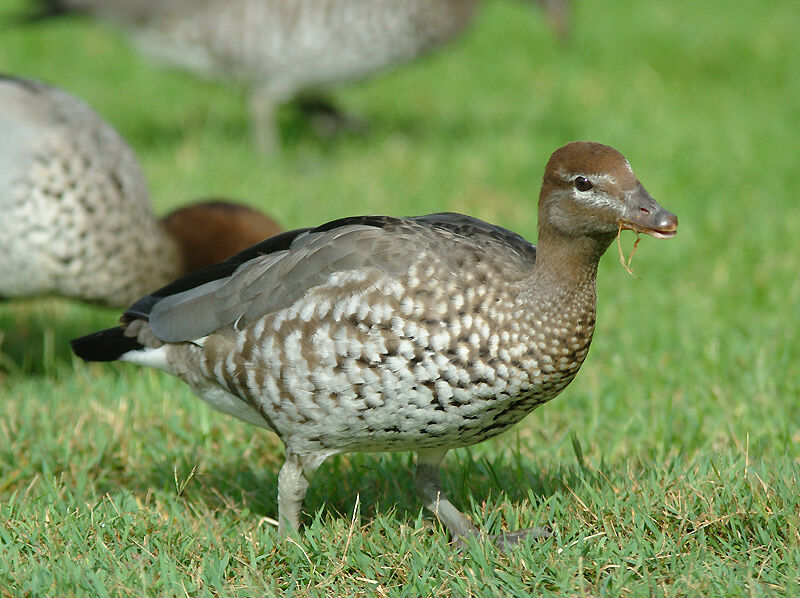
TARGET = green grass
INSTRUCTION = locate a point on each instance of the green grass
(670, 466)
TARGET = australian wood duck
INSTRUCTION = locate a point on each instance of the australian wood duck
(76, 215)
(391, 334)
(282, 48)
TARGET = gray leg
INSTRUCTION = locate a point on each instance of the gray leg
(292, 486)
(429, 487)
(265, 130)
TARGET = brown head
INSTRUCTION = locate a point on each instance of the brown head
(589, 190)
(212, 231)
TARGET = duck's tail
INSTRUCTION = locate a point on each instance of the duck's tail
(105, 345)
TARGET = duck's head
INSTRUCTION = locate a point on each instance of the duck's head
(211, 231)
(589, 190)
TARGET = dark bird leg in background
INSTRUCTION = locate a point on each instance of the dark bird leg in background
(326, 119)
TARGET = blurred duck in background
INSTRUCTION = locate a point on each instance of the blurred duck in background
(285, 49)
(76, 214)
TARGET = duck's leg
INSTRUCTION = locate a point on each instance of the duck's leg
(262, 111)
(429, 487)
(292, 487)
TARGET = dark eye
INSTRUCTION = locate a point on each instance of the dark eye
(582, 183)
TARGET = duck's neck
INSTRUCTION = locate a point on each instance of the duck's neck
(566, 268)
(557, 304)
(209, 232)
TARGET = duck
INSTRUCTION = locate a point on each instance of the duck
(378, 333)
(77, 217)
(288, 49)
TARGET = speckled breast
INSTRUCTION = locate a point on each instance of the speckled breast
(399, 365)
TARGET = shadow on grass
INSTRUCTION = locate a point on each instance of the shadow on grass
(383, 482)
(35, 333)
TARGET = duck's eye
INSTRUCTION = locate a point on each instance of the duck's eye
(582, 183)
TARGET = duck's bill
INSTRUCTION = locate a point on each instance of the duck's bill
(644, 215)
(667, 231)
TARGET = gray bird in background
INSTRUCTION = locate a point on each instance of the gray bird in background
(76, 214)
(282, 49)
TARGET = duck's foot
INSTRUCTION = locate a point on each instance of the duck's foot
(327, 120)
(429, 487)
(507, 540)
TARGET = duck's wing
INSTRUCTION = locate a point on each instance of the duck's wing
(276, 273)
(514, 247)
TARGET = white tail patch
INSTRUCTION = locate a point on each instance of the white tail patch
(152, 358)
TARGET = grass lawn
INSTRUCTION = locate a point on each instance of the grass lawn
(670, 466)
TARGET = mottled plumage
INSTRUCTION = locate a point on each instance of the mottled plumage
(389, 334)
(282, 48)
(76, 214)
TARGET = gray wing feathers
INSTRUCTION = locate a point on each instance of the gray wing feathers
(307, 264)
(490, 235)
(272, 282)
(188, 315)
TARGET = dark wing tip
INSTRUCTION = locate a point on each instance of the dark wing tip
(140, 310)
(104, 345)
